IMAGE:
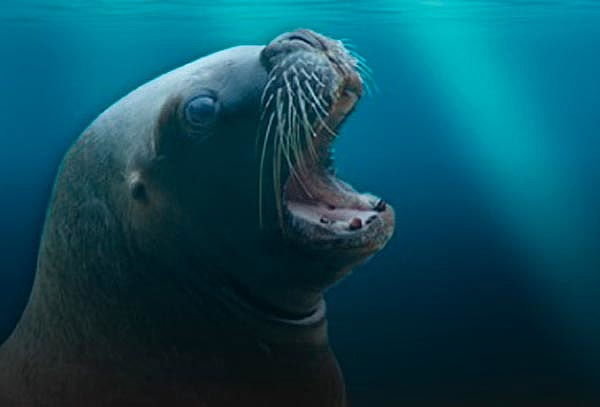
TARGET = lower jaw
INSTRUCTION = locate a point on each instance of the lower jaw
(335, 221)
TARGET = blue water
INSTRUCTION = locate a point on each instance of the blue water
(484, 135)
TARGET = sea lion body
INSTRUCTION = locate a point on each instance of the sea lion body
(155, 284)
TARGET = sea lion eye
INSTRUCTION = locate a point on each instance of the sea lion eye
(201, 110)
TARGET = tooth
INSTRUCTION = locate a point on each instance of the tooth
(355, 224)
(380, 206)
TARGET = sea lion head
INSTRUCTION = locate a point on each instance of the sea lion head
(192, 231)
(211, 184)
(236, 178)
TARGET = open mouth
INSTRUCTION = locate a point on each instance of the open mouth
(314, 84)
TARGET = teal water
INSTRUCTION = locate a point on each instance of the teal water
(484, 135)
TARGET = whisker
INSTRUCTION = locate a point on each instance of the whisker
(347, 43)
(365, 68)
(365, 71)
(261, 170)
(309, 132)
(359, 57)
(294, 131)
(320, 116)
(277, 160)
(303, 71)
(266, 106)
(365, 82)
(315, 99)
(316, 102)
(316, 78)
(296, 151)
(267, 86)
(308, 126)
(366, 77)
(308, 140)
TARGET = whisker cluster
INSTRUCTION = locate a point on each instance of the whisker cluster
(364, 71)
(296, 103)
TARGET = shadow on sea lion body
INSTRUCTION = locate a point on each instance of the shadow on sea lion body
(193, 229)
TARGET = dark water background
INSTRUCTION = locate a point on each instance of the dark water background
(484, 136)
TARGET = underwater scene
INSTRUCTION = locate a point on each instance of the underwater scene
(478, 123)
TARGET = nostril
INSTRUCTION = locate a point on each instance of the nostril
(298, 37)
(306, 37)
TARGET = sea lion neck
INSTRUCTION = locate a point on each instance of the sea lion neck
(134, 334)
(273, 324)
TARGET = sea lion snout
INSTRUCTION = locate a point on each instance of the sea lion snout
(298, 41)
(314, 84)
(308, 37)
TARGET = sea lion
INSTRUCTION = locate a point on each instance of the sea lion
(192, 231)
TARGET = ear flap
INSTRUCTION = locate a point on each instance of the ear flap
(168, 129)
